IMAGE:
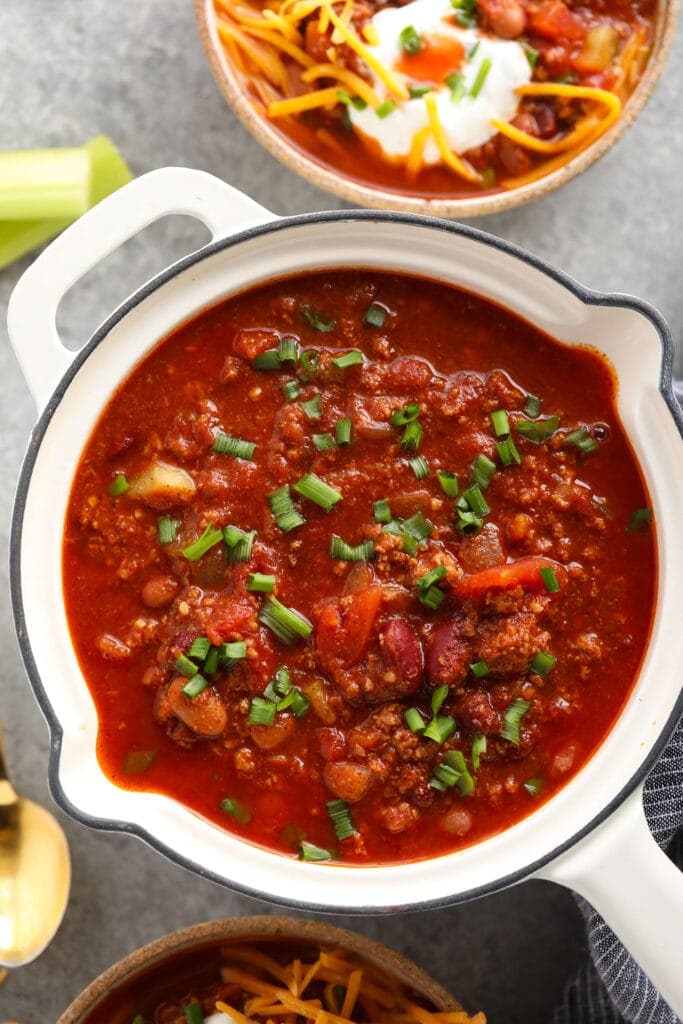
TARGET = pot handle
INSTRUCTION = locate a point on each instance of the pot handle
(31, 315)
(627, 877)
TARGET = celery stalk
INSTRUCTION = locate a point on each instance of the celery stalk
(43, 191)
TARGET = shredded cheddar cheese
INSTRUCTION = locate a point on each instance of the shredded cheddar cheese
(356, 85)
(453, 161)
(308, 101)
(393, 84)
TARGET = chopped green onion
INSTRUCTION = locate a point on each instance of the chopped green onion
(464, 19)
(489, 177)
(444, 777)
(641, 518)
(193, 1014)
(482, 74)
(500, 422)
(582, 440)
(482, 471)
(410, 41)
(279, 686)
(239, 543)
(532, 407)
(456, 83)
(185, 667)
(478, 748)
(323, 442)
(209, 539)
(414, 720)
(468, 524)
(418, 91)
(538, 430)
(532, 55)
(412, 435)
(549, 579)
(233, 650)
(316, 490)
(456, 759)
(199, 648)
(439, 695)
(535, 785)
(296, 701)
(431, 598)
(211, 663)
(167, 529)
(261, 711)
(260, 582)
(472, 53)
(344, 97)
(420, 467)
(508, 453)
(476, 501)
(288, 349)
(138, 761)
(308, 851)
(358, 102)
(291, 390)
(343, 431)
(542, 663)
(195, 686)
(405, 415)
(514, 714)
(439, 729)
(340, 816)
(310, 362)
(286, 515)
(417, 526)
(386, 108)
(479, 669)
(352, 358)
(426, 581)
(286, 623)
(380, 511)
(448, 482)
(313, 407)
(236, 810)
(268, 360)
(315, 319)
(119, 485)
(376, 315)
(339, 549)
(138, 1019)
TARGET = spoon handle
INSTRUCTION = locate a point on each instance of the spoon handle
(7, 794)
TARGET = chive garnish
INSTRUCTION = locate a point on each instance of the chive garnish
(405, 415)
(286, 515)
(479, 669)
(538, 430)
(476, 501)
(239, 544)
(439, 729)
(410, 41)
(417, 526)
(340, 816)
(448, 483)
(542, 663)
(167, 529)
(195, 686)
(236, 810)
(315, 319)
(375, 315)
(313, 407)
(386, 108)
(279, 686)
(209, 538)
(261, 711)
(641, 518)
(268, 360)
(532, 55)
(414, 720)
(549, 579)
(430, 578)
(343, 431)
(316, 490)
(500, 422)
(199, 648)
(456, 83)
(452, 771)
(464, 12)
(478, 748)
(138, 1019)
(234, 650)
(472, 52)
(418, 91)
(582, 440)
(119, 485)
(288, 349)
(381, 512)
(468, 524)
(438, 697)
(482, 471)
(211, 662)
(308, 851)
(260, 582)
(339, 549)
(514, 714)
(431, 597)
(185, 667)
(482, 75)
(508, 453)
(193, 1013)
(420, 467)
(323, 442)
(535, 785)
(532, 407)
(138, 761)
(291, 390)
(295, 701)
(412, 435)
(352, 358)
(286, 623)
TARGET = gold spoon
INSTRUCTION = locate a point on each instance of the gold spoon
(35, 875)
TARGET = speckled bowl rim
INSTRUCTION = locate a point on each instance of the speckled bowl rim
(378, 198)
(262, 926)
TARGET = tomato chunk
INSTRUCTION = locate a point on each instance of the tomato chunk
(525, 572)
(344, 628)
(554, 20)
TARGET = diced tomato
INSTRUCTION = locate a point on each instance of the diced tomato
(525, 572)
(343, 629)
(554, 20)
(229, 619)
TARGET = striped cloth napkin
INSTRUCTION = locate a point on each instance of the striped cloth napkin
(611, 988)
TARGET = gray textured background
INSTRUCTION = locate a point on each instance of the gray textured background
(135, 70)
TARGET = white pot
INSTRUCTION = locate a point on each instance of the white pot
(592, 835)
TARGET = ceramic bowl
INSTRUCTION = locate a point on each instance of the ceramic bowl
(230, 82)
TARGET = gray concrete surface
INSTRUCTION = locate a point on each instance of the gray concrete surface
(134, 69)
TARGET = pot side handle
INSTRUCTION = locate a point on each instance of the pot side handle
(623, 873)
(31, 314)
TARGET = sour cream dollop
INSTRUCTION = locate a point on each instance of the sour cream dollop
(447, 50)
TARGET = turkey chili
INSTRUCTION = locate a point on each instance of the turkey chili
(359, 566)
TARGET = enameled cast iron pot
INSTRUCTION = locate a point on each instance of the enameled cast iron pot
(592, 835)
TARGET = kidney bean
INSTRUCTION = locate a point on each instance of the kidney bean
(402, 653)
(448, 654)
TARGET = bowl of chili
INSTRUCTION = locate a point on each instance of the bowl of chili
(445, 107)
(202, 972)
(322, 670)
